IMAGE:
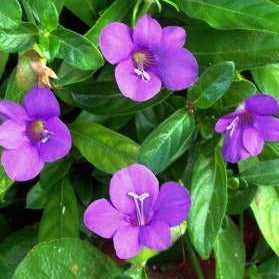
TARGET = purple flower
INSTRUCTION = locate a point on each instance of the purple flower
(139, 214)
(32, 134)
(147, 57)
(248, 127)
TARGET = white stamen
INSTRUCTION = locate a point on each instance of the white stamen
(233, 125)
(139, 199)
(143, 74)
(45, 135)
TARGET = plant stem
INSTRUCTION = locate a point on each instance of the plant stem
(193, 257)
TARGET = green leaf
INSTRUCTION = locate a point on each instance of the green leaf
(83, 9)
(78, 51)
(5, 271)
(5, 184)
(3, 61)
(209, 200)
(117, 11)
(229, 252)
(15, 247)
(19, 39)
(66, 258)
(10, 14)
(49, 46)
(269, 269)
(247, 48)
(104, 98)
(46, 14)
(36, 197)
(267, 80)
(60, 218)
(212, 85)
(168, 141)
(102, 147)
(265, 207)
(263, 173)
(237, 14)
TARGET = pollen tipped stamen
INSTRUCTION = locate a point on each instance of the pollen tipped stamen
(37, 132)
(138, 200)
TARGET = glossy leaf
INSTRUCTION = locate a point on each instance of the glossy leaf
(247, 48)
(78, 51)
(5, 184)
(68, 258)
(102, 147)
(265, 207)
(212, 85)
(263, 173)
(237, 14)
(229, 252)
(60, 218)
(168, 141)
(18, 39)
(104, 98)
(10, 14)
(209, 200)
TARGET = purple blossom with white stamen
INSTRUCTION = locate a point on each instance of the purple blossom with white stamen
(148, 57)
(32, 134)
(248, 127)
(139, 213)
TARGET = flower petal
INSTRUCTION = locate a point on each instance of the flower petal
(233, 150)
(222, 124)
(252, 141)
(177, 70)
(173, 204)
(102, 218)
(135, 178)
(133, 86)
(126, 242)
(23, 163)
(174, 37)
(268, 127)
(156, 235)
(14, 111)
(12, 134)
(116, 42)
(40, 102)
(262, 104)
(147, 32)
(59, 143)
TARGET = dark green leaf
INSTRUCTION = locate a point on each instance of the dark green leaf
(5, 184)
(18, 39)
(168, 141)
(46, 14)
(209, 200)
(263, 173)
(237, 14)
(229, 252)
(212, 85)
(265, 207)
(117, 11)
(104, 98)
(104, 148)
(5, 271)
(3, 61)
(66, 258)
(78, 51)
(269, 269)
(247, 48)
(60, 218)
(10, 14)
(36, 197)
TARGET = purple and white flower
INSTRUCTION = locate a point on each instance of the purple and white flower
(32, 134)
(139, 214)
(248, 127)
(148, 57)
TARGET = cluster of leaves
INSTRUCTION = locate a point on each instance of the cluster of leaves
(236, 44)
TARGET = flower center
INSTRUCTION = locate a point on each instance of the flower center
(139, 200)
(37, 132)
(142, 60)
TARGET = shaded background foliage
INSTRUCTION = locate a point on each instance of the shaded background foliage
(233, 229)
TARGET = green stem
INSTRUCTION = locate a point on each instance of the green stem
(194, 259)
